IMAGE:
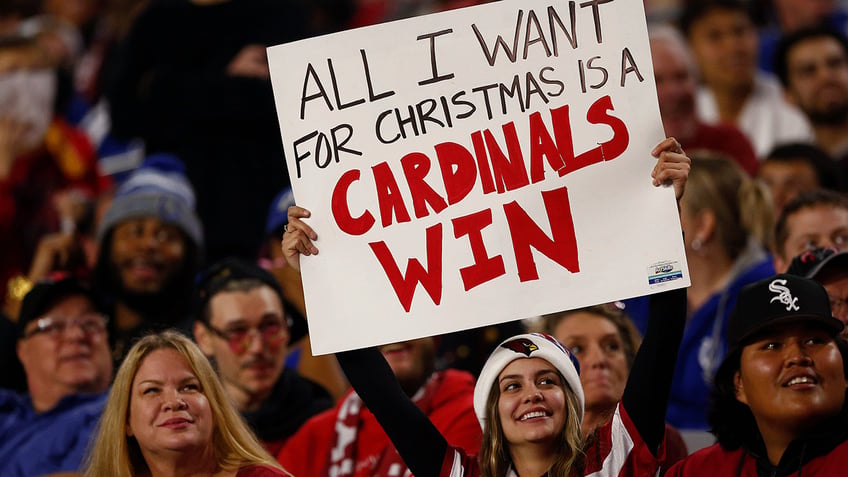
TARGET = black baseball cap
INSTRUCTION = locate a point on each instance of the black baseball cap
(810, 263)
(46, 292)
(783, 298)
(217, 276)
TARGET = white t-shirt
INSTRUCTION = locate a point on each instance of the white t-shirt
(767, 119)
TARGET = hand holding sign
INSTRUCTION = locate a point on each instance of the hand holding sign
(297, 239)
(673, 166)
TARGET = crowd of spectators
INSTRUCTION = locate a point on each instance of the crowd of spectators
(143, 189)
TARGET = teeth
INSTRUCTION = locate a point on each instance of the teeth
(531, 415)
(800, 380)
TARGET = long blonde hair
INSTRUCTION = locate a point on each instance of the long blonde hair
(115, 454)
(494, 458)
(742, 206)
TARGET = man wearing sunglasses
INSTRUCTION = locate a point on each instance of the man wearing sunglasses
(63, 346)
(243, 327)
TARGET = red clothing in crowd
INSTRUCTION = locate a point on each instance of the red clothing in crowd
(675, 448)
(65, 161)
(450, 408)
(714, 461)
(617, 451)
(370, 12)
(725, 139)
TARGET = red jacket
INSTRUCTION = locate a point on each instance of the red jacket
(616, 451)
(306, 454)
(65, 161)
(714, 461)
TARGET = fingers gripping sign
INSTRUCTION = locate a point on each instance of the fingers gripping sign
(298, 237)
(672, 166)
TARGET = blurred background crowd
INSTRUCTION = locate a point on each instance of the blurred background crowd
(140, 156)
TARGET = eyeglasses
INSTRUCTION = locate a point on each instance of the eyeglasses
(272, 333)
(91, 324)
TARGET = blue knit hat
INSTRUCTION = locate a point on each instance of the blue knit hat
(158, 188)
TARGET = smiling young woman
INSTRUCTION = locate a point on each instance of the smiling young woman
(529, 401)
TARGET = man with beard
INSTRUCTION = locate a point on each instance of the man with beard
(243, 327)
(347, 441)
(813, 66)
(150, 248)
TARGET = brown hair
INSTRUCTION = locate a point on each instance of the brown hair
(494, 458)
(805, 200)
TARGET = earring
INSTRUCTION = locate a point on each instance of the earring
(696, 244)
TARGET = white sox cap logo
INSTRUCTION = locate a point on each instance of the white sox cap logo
(784, 296)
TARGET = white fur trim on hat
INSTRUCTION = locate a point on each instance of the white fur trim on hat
(531, 345)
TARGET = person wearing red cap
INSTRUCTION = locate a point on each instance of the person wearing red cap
(778, 404)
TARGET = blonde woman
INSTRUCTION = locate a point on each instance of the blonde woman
(168, 414)
(528, 397)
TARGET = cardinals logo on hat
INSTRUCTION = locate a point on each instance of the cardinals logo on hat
(527, 346)
(521, 345)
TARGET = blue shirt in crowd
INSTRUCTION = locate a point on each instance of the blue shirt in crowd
(34, 443)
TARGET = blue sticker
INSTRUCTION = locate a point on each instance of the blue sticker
(661, 272)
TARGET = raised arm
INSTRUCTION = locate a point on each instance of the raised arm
(649, 384)
(419, 442)
(414, 436)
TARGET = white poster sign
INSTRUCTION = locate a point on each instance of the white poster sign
(476, 166)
